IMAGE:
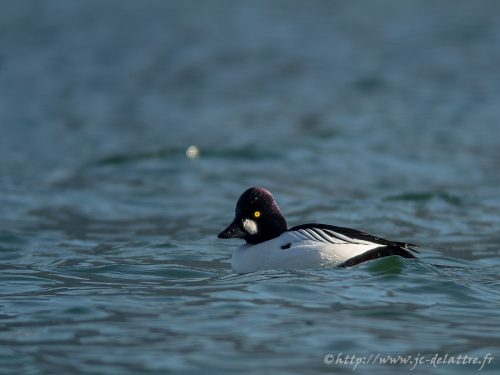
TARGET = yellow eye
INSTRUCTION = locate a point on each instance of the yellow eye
(256, 214)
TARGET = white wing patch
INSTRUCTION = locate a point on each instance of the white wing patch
(327, 236)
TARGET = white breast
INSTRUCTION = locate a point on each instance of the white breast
(307, 250)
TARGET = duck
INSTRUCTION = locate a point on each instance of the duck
(270, 245)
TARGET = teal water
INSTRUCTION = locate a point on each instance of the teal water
(109, 261)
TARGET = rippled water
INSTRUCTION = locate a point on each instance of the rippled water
(379, 116)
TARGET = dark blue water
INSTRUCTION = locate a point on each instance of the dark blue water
(382, 116)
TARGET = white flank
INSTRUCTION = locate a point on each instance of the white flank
(301, 250)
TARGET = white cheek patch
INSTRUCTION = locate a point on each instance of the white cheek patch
(250, 226)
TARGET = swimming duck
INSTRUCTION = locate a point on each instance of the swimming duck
(271, 245)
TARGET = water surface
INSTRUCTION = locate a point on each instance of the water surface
(378, 116)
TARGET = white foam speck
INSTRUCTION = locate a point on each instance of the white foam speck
(192, 152)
